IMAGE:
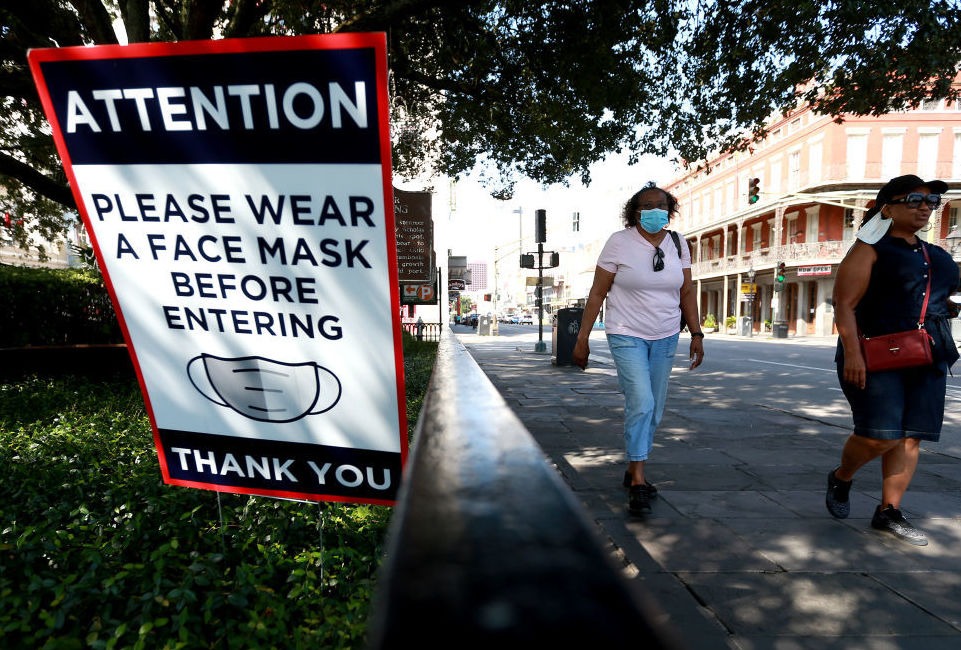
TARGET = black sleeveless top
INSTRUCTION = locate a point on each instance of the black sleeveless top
(895, 293)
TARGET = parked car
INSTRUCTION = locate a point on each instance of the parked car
(527, 319)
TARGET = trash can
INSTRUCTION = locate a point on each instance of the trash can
(567, 323)
(780, 330)
(744, 326)
(484, 325)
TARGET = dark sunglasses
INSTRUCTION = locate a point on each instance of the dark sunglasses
(914, 199)
(658, 259)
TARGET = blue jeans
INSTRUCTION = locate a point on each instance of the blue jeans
(643, 371)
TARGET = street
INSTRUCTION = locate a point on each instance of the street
(794, 375)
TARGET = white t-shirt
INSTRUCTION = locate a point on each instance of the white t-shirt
(643, 302)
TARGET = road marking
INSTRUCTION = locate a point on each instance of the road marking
(792, 365)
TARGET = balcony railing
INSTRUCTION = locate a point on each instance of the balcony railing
(822, 252)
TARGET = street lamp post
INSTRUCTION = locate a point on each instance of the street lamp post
(520, 227)
(751, 274)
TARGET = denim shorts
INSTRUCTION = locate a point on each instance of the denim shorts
(898, 404)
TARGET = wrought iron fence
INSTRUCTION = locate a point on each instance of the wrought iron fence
(423, 331)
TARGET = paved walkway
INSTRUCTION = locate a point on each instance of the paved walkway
(739, 551)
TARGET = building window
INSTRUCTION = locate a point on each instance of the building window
(848, 232)
(857, 155)
(927, 153)
(954, 216)
(813, 232)
(794, 170)
(576, 222)
(815, 161)
(792, 233)
(892, 149)
(956, 160)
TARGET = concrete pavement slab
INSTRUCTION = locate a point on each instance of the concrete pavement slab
(812, 605)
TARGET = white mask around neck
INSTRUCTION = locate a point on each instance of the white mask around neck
(874, 229)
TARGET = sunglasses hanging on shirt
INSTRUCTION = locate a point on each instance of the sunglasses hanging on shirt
(658, 259)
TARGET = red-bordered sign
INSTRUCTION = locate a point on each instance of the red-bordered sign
(237, 194)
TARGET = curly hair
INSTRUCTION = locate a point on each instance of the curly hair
(631, 211)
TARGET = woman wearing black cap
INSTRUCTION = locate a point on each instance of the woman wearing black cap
(880, 289)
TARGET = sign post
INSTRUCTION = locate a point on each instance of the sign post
(237, 195)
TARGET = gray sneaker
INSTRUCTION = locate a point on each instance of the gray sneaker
(837, 499)
(890, 520)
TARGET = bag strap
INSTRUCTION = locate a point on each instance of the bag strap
(927, 291)
(677, 242)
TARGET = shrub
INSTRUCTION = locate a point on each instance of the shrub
(55, 307)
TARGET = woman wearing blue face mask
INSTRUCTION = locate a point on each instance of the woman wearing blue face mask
(645, 276)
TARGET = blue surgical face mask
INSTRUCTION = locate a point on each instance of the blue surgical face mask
(653, 221)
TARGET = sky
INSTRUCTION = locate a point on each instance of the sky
(475, 224)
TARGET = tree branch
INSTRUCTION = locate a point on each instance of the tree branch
(394, 12)
(36, 181)
(199, 19)
(96, 20)
(246, 15)
(136, 20)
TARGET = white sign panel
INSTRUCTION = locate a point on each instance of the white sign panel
(238, 196)
(814, 270)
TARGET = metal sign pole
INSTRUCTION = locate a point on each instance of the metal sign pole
(540, 346)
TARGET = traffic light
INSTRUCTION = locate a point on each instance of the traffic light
(779, 277)
(487, 297)
(754, 191)
(527, 261)
(540, 226)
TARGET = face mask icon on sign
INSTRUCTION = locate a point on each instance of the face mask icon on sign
(263, 389)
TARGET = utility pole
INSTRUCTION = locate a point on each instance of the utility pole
(527, 261)
(540, 234)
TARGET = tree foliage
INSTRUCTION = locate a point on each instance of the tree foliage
(541, 89)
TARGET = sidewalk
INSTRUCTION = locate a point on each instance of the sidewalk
(739, 550)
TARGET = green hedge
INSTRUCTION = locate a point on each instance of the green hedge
(55, 307)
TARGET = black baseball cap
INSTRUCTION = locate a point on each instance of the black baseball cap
(903, 185)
